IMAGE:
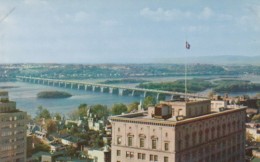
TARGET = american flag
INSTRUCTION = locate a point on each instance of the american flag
(187, 45)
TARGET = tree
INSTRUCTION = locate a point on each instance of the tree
(132, 106)
(73, 115)
(71, 151)
(119, 108)
(256, 117)
(51, 126)
(149, 100)
(82, 110)
(258, 102)
(57, 116)
(41, 147)
(249, 138)
(43, 113)
(100, 111)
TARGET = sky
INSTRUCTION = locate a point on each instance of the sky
(126, 31)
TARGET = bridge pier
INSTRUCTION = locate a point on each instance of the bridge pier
(133, 93)
(104, 89)
(113, 90)
(145, 94)
(158, 96)
(121, 92)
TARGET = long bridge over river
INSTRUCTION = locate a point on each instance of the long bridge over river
(104, 88)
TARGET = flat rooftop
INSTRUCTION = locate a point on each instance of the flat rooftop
(142, 117)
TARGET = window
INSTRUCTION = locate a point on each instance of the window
(166, 146)
(153, 144)
(143, 156)
(129, 154)
(141, 142)
(154, 158)
(118, 152)
(119, 140)
(151, 157)
(166, 159)
(130, 141)
(139, 156)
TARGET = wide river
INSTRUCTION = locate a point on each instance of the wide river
(25, 95)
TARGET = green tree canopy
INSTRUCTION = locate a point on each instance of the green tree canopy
(132, 106)
(43, 113)
(149, 101)
(100, 111)
(119, 108)
(82, 110)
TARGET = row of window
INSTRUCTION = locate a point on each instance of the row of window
(9, 133)
(12, 118)
(142, 156)
(142, 142)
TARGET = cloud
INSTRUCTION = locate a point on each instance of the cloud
(81, 16)
(35, 2)
(194, 28)
(206, 13)
(251, 20)
(77, 17)
(255, 10)
(163, 15)
(109, 23)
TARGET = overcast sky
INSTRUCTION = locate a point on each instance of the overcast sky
(126, 31)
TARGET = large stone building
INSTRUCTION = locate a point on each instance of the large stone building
(180, 132)
(12, 131)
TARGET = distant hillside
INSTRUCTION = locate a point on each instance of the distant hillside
(224, 59)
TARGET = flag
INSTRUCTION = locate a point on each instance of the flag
(187, 45)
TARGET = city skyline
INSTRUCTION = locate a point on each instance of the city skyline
(126, 32)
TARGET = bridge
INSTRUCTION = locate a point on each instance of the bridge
(105, 88)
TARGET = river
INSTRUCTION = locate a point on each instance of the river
(25, 95)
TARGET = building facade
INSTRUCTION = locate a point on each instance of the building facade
(12, 131)
(179, 132)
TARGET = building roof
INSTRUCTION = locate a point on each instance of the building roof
(142, 117)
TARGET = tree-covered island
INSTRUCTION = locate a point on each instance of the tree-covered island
(198, 85)
(53, 94)
(193, 85)
(231, 85)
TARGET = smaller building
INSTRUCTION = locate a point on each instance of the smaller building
(72, 141)
(100, 155)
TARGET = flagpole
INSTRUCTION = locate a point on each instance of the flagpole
(187, 47)
(185, 72)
